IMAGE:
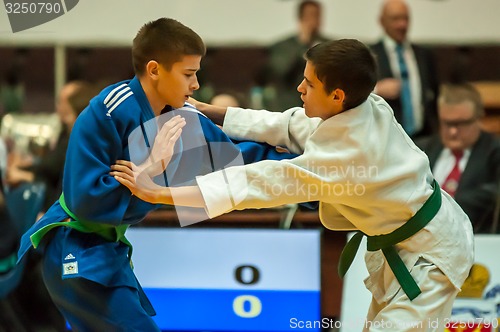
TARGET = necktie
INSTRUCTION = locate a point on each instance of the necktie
(450, 185)
(407, 108)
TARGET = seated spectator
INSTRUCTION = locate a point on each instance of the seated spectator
(9, 241)
(25, 303)
(73, 98)
(465, 160)
(8, 235)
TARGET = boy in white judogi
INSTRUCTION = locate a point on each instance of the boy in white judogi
(367, 174)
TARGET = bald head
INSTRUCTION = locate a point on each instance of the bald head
(395, 19)
(225, 100)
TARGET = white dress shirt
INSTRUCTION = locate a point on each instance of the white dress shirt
(445, 163)
(413, 76)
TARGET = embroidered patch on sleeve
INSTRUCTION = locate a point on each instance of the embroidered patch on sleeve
(70, 268)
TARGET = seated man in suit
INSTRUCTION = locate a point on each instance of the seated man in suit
(465, 160)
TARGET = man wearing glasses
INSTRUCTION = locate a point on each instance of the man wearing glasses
(465, 160)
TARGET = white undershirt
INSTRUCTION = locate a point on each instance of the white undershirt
(445, 163)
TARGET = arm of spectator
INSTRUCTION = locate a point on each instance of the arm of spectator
(16, 176)
(388, 88)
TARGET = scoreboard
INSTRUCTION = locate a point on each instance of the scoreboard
(229, 279)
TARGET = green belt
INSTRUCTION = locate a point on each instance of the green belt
(386, 243)
(109, 232)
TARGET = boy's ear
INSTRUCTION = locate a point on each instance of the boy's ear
(338, 95)
(152, 69)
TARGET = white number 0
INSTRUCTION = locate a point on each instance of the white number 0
(239, 306)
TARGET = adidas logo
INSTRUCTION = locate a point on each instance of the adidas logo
(69, 256)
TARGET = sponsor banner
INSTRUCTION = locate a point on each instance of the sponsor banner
(477, 308)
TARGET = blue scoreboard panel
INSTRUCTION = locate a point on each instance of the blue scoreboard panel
(229, 279)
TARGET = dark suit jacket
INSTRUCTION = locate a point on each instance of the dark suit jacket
(479, 184)
(285, 70)
(429, 84)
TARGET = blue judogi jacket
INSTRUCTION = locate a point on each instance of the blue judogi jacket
(120, 124)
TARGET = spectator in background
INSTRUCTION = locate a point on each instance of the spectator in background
(464, 159)
(73, 98)
(26, 305)
(407, 78)
(228, 99)
(286, 63)
(8, 235)
(12, 90)
(12, 93)
(9, 241)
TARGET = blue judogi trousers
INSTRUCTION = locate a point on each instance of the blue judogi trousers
(88, 305)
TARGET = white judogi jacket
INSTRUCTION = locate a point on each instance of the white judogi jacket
(367, 174)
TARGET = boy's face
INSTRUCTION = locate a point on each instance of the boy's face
(317, 103)
(176, 85)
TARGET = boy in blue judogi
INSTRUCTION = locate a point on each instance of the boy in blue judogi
(86, 263)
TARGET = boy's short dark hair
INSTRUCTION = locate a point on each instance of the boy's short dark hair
(165, 41)
(345, 64)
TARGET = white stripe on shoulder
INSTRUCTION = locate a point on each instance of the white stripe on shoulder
(115, 98)
(119, 102)
(110, 95)
(190, 108)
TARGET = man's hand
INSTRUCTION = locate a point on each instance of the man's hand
(388, 88)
